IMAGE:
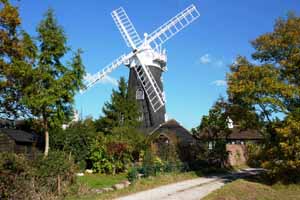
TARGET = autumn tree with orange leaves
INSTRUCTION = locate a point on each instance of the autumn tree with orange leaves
(271, 86)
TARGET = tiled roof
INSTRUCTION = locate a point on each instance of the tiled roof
(19, 135)
(234, 134)
(172, 126)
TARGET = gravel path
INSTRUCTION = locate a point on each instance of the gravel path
(193, 189)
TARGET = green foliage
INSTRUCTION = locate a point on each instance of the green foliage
(154, 165)
(14, 173)
(218, 156)
(121, 111)
(76, 140)
(255, 155)
(17, 53)
(51, 92)
(115, 153)
(259, 87)
(21, 178)
(57, 163)
(101, 161)
(120, 143)
(15, 164)
(216, 119)
(282, 158)
(167, 152)
(215, 127)
(33, 79)
(133, 174)
(270, 88)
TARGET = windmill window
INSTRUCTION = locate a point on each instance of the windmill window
(141, 117)
(139, 95)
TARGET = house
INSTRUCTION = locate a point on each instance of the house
(236, 142)
(233, 136)
(172, 135)
(18, 141)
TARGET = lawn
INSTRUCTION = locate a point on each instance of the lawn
(99, 181)
(249, 190)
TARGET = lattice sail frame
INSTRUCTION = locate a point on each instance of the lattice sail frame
(126, 28)
(155, 40)
(173, 26)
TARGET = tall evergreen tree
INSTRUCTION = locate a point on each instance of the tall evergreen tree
(51, 94)
(121, 111)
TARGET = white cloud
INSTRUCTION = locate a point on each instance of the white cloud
(205, 59)
(219, 63)
(105, 80)
(219, 83)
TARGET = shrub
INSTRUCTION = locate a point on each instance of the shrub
(255, 155)
(56, 167)
(15, 176)
(115, 153)
(99, 157)
(153, 165)
(133, 174)
(76, 140)
(42, 178)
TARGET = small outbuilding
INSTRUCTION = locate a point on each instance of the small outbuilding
(18, 141)
(172, 136)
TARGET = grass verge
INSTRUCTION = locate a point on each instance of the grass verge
(140, 185)
(248, 190)
(100, 180)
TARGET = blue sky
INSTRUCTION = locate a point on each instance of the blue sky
(198, 56)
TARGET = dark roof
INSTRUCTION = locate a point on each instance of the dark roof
(173, 127)
(19, 135)
(234, 134)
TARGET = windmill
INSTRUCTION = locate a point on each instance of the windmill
(147, 62)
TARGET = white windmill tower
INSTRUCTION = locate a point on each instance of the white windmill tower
(146, 62)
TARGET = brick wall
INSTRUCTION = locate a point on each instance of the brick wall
(237, 154)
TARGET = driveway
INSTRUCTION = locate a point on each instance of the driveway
(194, 189)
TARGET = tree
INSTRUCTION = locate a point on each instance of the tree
(51, 93)
(258, 88)
(121, 111)
(217, 119)
(215, 125)
(17, 53)
(76, 140)
(272, 88)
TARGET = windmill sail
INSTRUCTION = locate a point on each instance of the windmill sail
(126, 28)
(173, 26)
(92, 80)
(153, 92)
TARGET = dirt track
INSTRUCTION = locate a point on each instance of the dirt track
(190, 189)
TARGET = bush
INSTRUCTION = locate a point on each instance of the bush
(255, 155)
(115, 153)
(281, 155)
(75, 140)
(153, 165)
(15, 174)
(133, 174)
(42, 178)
